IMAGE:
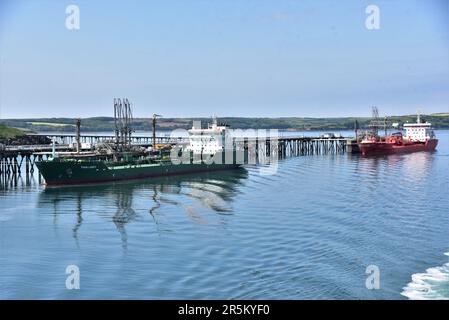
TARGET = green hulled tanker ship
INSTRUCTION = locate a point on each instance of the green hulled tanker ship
(70, 171)
(119, 160)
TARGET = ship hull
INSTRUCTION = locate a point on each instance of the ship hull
(384, 148)
(57, 173)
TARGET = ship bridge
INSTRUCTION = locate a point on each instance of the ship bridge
(419, 131)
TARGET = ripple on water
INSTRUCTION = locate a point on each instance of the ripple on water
(307, 231)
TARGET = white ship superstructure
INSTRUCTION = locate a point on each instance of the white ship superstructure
(419, 131)
(207, 141)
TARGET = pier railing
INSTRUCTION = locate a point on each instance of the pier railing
(94, 139)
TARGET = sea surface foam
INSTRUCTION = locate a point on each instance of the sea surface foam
(430, 285)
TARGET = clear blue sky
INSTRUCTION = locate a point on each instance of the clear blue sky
(229, 58)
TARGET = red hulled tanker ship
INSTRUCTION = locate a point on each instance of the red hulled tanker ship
(418, 137)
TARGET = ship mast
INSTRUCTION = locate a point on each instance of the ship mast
(155, 116)
(78, 135)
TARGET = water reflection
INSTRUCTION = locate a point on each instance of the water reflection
(213, 190)
(418, 165)
(412, 165)
(20, 182)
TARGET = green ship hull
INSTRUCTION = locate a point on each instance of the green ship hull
(72, 172)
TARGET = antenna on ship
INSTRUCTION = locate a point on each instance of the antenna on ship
(418, 118)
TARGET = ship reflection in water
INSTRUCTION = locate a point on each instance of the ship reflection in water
(412, 166)
(210, 191)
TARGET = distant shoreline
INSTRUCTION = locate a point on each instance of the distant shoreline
(102, 124)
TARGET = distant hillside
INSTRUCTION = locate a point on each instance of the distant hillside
(441, 114)
(9, 133)
(439, 121)
(14, 136)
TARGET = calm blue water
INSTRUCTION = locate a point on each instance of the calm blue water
(307, 232)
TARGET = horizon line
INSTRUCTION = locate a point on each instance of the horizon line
(241, 117)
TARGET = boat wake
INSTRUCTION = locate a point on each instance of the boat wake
(431, 285)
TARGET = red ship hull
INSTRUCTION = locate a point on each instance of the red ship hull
(385, 148)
